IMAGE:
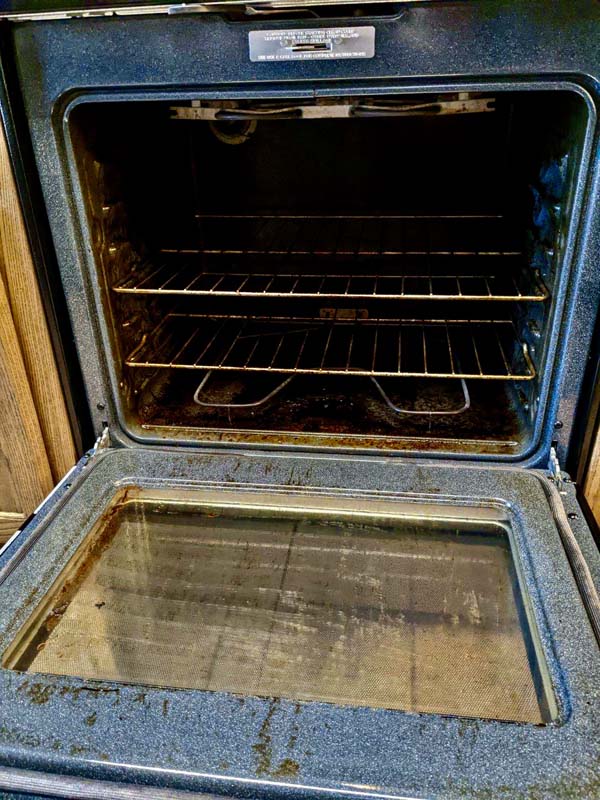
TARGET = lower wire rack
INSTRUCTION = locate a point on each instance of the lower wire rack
(470, 349)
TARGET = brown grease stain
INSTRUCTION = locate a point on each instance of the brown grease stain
(106, 529)
(38, 693)
(287, 769)
(78, 750)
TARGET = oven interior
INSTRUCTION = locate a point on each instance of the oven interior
(356, 271)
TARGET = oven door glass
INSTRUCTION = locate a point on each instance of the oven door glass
(420, 609)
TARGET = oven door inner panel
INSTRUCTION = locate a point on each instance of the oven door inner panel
(412, 611)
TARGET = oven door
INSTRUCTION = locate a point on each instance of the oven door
(265, 625)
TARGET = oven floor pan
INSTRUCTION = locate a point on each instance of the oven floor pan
(334, 411)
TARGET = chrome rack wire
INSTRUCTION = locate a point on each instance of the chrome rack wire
(470, 349)
(368, 258)
(185, 276)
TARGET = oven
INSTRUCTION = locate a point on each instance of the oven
(331, 273)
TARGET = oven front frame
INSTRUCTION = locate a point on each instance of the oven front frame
(207, 56)
(536, 451)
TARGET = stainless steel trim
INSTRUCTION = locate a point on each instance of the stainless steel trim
(67, 786)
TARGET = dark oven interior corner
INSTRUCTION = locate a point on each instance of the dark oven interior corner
(326, 300)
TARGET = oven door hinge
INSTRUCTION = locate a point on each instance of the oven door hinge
(102, 443)
(557, 476)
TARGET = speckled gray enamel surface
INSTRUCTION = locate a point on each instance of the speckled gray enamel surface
(267, 747)
(261, 747)
(476, 44)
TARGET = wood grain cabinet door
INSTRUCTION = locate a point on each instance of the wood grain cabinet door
(36, 444)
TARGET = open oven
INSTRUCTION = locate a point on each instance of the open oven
(355, 272)
(333, 308)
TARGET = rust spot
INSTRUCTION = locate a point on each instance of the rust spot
(78, 750)
(15, 736)
(91, 720)
(38, 693)
(263, 747)
(165, 708)
(287, 769)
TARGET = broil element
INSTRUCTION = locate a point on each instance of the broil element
(472, 349)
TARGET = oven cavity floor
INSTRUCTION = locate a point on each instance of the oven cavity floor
(338, 410)
(419, 616)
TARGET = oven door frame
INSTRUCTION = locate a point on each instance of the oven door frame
(94, 342)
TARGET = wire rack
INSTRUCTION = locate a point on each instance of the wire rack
(184, 275)
(336, 258)
(473, 349)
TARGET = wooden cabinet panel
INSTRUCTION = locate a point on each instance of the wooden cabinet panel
(36, 445)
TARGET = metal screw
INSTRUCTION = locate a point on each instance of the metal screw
(573, 515)
(100, 406)
(558, 425)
